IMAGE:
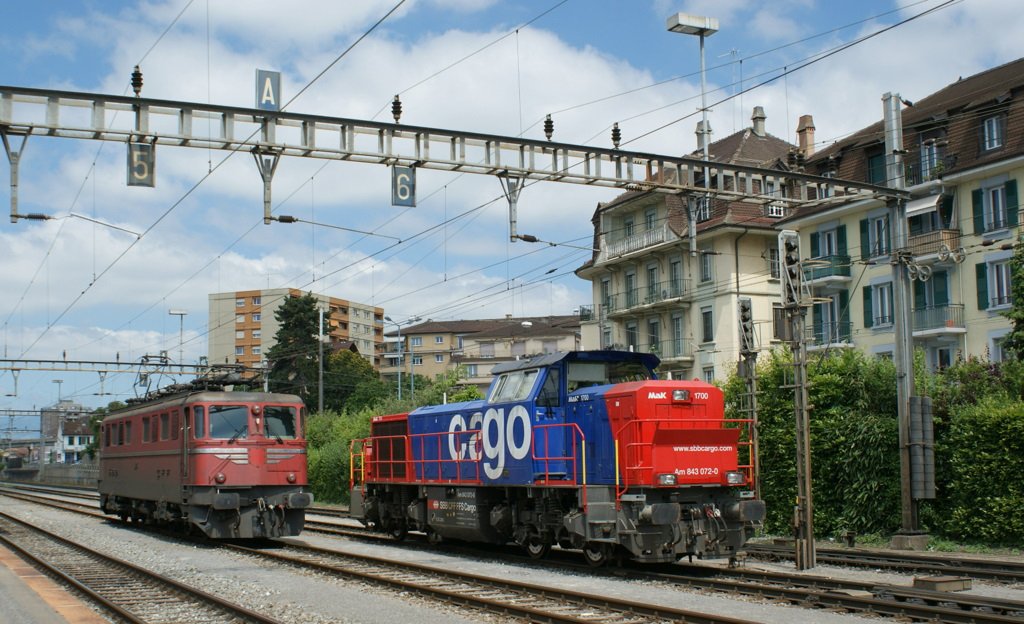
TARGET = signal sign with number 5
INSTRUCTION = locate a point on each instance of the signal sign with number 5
(141, 164)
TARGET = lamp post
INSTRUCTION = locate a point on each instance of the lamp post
(181, 332)
(58, 382)
(687, 24)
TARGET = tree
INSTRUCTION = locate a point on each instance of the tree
(1013, 342)
(95, 419)
(293, 358)
(348, 381)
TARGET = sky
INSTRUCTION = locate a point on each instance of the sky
(84, 286)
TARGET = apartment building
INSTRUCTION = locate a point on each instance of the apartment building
(654, 290)
(964, 155)
(432, 348)
(243, 326)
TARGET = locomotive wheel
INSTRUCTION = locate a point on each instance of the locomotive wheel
(433, 538)
(595, 553)
(536, 547)
(398, 532)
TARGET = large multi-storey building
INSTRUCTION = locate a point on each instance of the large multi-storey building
(432, 348)
(242, 325)
(964, 153)
(656, 290)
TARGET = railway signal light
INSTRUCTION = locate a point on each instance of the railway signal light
(746, 316)
(792, 273)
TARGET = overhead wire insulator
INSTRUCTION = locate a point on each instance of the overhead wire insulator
(616, 135)
(396, 109)
(137, 81)
(549, 127)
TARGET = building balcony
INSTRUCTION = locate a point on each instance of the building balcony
(678, 351)
(634, 243)
(588, 312)
(939, 320)
(830, 335)
(937, 246)
(665, 293)
(827, 271)
(659, 295)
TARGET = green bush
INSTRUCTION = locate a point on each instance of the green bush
(328, 436)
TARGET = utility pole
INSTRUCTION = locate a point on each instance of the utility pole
(748, 371)
(910, 536)
(320, 359)
(794, 306)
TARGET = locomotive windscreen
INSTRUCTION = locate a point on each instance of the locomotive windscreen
(229, 421)
(280, 421)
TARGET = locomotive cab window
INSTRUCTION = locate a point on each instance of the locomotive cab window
(280, 422)
(229, 422)
(549, 394)
(514, 386)
(586, 374)
(198, 422)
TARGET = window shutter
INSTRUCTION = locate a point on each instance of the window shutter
(981, 272)
(841, 239)
(978, 206)
(817, 324)
(888, 234)
(1011, 202)
(941, 288)
(844, 315)
(869, 313)
(865, 244)
(920, 299)
(815, 245)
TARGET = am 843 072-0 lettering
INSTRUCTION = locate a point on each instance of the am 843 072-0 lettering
(585, 450)
(230, 464)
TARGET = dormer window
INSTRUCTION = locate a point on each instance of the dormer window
(993, 131)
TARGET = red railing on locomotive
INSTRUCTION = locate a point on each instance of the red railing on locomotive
(386, 451)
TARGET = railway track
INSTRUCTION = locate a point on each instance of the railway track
(130, 593)
(804, 590)
(916, 563)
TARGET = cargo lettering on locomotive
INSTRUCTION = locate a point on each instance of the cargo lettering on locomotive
(495, 434)
(586, 450)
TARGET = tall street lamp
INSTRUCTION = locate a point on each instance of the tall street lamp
(58, 382)
(687, 24)
(181, 332)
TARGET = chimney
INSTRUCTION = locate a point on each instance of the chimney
(758, 118)
(703, 136)
(805, 135)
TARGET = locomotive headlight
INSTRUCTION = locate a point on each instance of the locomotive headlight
(680, 395)
(220, 478)
(666, 479)
(735, 478)
(291, 477)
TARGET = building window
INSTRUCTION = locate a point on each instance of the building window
(631, 295)
(881, 302)
(995, 208)
(240, 302)
(417, 360)
(458, 341)
(992, 132)
(999, 284)
(654, 335)
(606, 296)
(240, 318)
(677, 335)
(438, 339)
(416, 341)
(239, 335)
(707, 324)
(486, 349)
(649, 219)
(439, 358)
(256, 318)
(675, 276)
(773, 262)
(256, 350)
(929, 159)
(996, 352)
(878, 236)
(627, 226)
(709, 374)
(257, 300)
(549, 346)
(239, 350)
(606, 338)
(518, 348)
(257, 333)
(652, 284)
(707, 267)
(471, 370)
(632, 336)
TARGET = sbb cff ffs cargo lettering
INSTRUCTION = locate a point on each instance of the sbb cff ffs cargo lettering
(229, 464)
(585, 450)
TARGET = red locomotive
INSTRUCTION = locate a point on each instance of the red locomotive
(585, 450)
(231, 464)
